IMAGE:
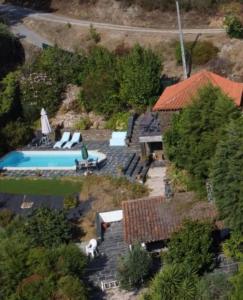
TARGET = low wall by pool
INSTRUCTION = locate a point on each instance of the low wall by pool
(46, 160)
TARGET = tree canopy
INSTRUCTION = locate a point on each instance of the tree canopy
(195, 132)
(192, 246)
(227, 175)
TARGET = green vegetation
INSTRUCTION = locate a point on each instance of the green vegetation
(83, 124)
(32, 266)
(70, 201)
(134, 267)
(40, 186)
(118, 121)
(199, 52)
(139, 77)
(42, 229)
(173, 282)
(227, 174)
(192, 246)
(233, 26)
(195, 132)
(93, 35)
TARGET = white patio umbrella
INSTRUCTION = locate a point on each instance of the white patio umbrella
(45, 125)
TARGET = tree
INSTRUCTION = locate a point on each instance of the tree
(134, 267)
(69, 287)
(192, 246)
(139, 77)
(173, 282)
(100, 86)
(9, 95)
(195, 132)
(227, 174)
(48, 228)
(11, 51)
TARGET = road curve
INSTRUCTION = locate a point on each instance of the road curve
(19, 12)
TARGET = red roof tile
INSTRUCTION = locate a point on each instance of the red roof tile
(179, 95)
(154, 219)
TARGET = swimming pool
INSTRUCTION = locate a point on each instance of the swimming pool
(45, 160)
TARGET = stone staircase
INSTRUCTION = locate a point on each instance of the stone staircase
(134, 143)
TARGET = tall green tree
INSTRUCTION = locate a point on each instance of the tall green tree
(139, 73)
(227, 176)
(48, 228)
(195, 132)
(192, 246)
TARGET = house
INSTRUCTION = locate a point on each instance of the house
(152, 221)
(179, 95)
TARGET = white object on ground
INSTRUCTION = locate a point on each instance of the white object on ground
(75, 139)
(65, 138)
(91, 248)
(45, 125)
(118, 138)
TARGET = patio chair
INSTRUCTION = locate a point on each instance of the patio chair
(75, 139)
(65, 138)
(91, 248)
(36, 141)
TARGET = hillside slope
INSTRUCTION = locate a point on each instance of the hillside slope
(127, 13)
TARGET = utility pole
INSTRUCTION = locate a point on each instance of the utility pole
(183, 56)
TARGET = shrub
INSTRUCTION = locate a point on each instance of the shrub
(15, 134)
(70, 202)
(83, 124)
(201, 52)
(118, 121)
(173, 282)
(234, 246)
(134, 267)
(6, 217)
(93, 34)
(233, 26)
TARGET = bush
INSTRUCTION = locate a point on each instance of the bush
(93, 34)
(134, 267)
(6, 217)
(118, 121)
(15, 134)
(201, 52)
(233, 26)
(70, 202)
(173, 282)
(83, 124)
(233, 247)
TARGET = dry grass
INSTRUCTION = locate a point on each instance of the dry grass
(100, 194)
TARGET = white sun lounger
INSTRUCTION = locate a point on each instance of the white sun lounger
(65, 138)
(75, 139)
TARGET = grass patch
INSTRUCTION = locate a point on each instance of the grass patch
(51, 187)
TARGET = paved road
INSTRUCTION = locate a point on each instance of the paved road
(16, 14)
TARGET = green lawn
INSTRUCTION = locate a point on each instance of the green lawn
(56, 187)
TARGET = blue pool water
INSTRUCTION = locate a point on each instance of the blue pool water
(42, 159)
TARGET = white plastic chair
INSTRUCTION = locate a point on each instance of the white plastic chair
(91, 248)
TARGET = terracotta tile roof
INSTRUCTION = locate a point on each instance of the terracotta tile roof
(179, 95)
(154, 219)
